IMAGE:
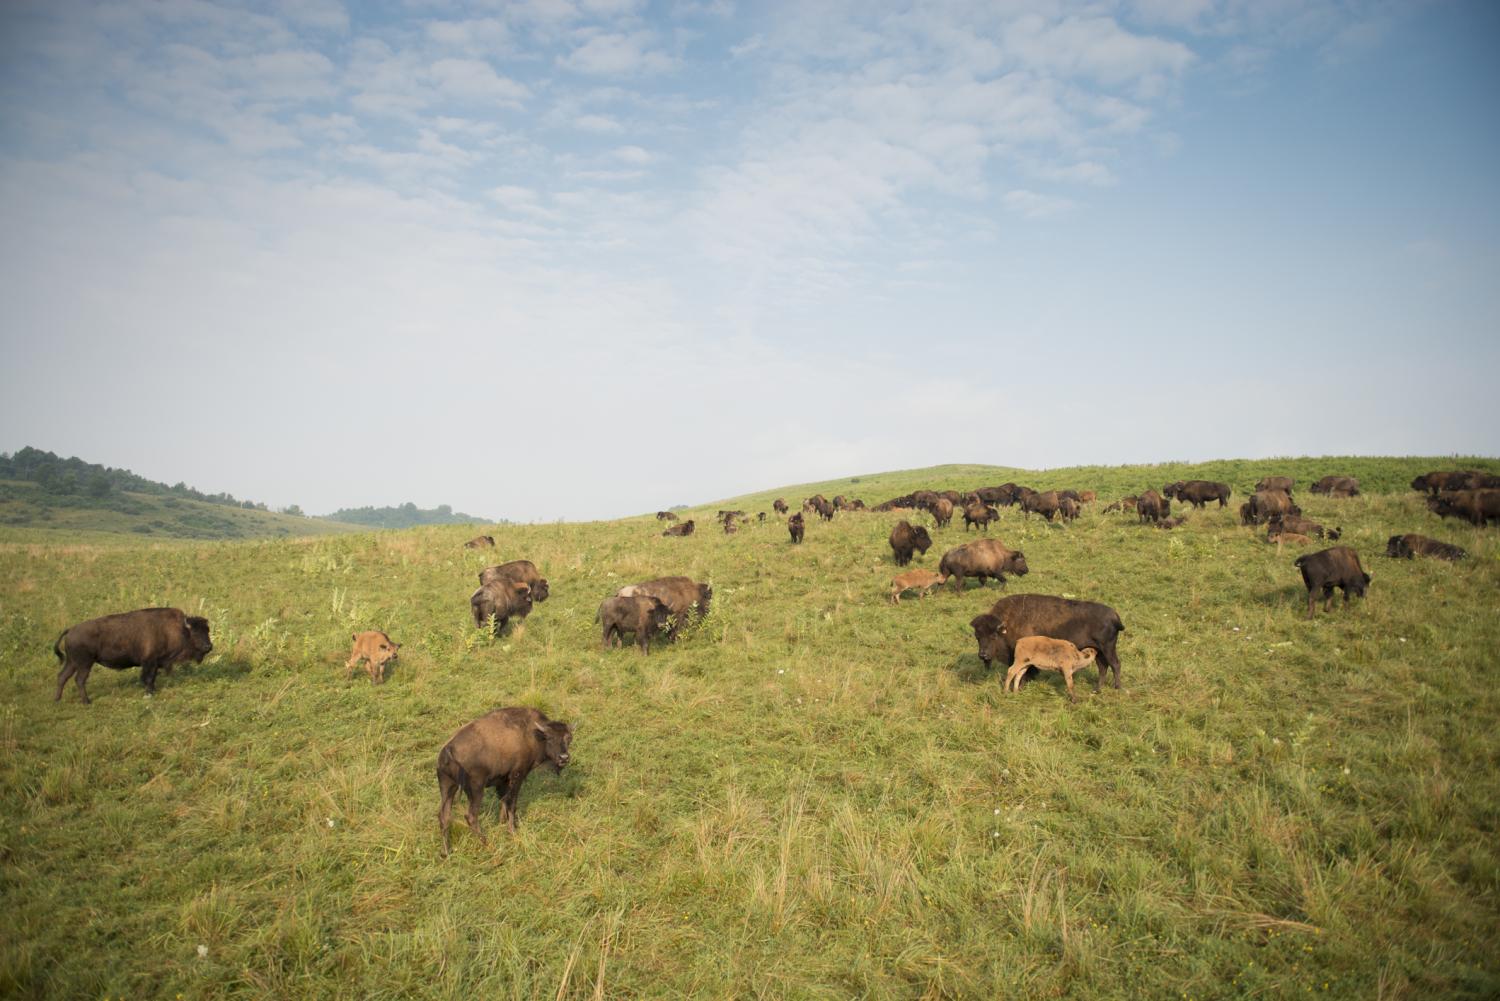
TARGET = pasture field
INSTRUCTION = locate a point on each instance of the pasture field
(813, 794)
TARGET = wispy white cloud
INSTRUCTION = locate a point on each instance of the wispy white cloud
(1032, 205)
(618, 55)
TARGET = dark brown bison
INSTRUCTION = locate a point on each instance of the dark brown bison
(811, 504)
(985, 558)
(1045, 504)
(499, 749)
(942, 512)
(683, 596)
(981, 515)
(760, 516)
(518, 572)
(684, 529)
(1003, 495)
(724, 516)
(730, 526)
(1337, 486)
(905, 539)
(153, 639)
(501, 600)
(824, 508)
(796, 527)
(1085, 624)
(481, 542)
(1152, 506)
(779, 506)
(1199, 492)
(1409, 546)
(1298, 525)
(665, 516)
(1068, 508)
(642, 614)
(1337, 567)
(1170, 523)
(1267, 504)
(1282, 483)
(1475, 506)
(1461, 479)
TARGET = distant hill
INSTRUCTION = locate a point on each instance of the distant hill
(407, 515)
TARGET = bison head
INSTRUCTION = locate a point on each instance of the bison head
(1017, 564)
(921, 540)
(198, 641)
(540, 592)
(989, 632)
(1396, 548)
(555, 736)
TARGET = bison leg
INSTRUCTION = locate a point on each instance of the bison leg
(447, 789)
(1013, 678)
(69, 668)
(1328, 597)
(474, 790)
(513, 793)
(1068, 677)
(148, 678)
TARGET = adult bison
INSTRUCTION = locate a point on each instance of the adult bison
(665, 516)
(152, 639)
(779, 505)
(683, 596)
(906, 539)
(942, 512)
(1337, 486)
(823, 507)
(1475, 506)
(1282, 483)
(1199, 492)
(1152, 506)
(517, 572)
(682, 530)
(1267, 504)
(500, 600)
(1409, 546)
(1459, 479)
(985, 558)
(981, 515)
(798, 528)
(641, 614)
(1085, 624)
(481, 542)
(1337, 567)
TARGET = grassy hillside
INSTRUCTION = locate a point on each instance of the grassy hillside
(813, 794)
(27, 513)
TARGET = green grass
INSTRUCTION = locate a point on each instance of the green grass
(29, 514)
(813, 794)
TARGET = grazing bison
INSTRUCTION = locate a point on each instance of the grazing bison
(905, 539)
(1152, 506)
(1282, 483)
(1475, 506)
(1337, 567)
(1409, 546)
(683, 597)
(665, 516)
(684, 529)
(942, 512)
(724, 516)
(376, 649)
(518, 572)
(1085, 624)
(499, 749)
(981, 515)
(642, 614)
(779, 505)
(1067, 507)
(1268, 504)
(152, 639)
(1047, 654)
(797, 527)
(501, 600)
(811, 504)
(1462, 479)
(1044, 504)
(481, 542)
(1337, 486)
(824, 509)
(1199, 492)
(983, 559)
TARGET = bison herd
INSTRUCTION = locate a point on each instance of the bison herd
(1024, 633)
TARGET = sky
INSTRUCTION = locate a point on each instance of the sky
(586, 258)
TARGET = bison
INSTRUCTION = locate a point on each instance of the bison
(1280, 523)
(500, 600)
(905, 539)
(642, 614)
(518, 572)
(983, 559)
(1085, 624)
(1199, 492)
(921, 581)
(152, 639)
(1475, 506)
(1067, 507)
(797, 527)
(1323, 571)
(683, 597)
(1282, 483)
(1047, 654)
(1409, 546)
(942, 512)
(376, 649)
(823, 507)
(779, 505)
(1337, 486)
(981, 515)
(1152, 506)
(665, 516)
(1267, 504)
(682, 530)
(1462, 479)
(499, 749)
(481, 542)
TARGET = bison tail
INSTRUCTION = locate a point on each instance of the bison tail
(446, 765)
(57, 647)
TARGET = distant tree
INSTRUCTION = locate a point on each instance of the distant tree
(293, 509)
(99, 485)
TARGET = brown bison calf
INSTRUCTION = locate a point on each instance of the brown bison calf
(982, 559)
(905, 540)
(922, 581)
(641, 614)
(1337, 567)
(1047, 654)
(1409, 546)
(499, 749)
(500, 600)
(152, 639)
(684, 529)
(376, 649)
(481, 542)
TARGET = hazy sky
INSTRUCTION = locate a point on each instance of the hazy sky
(583, 258)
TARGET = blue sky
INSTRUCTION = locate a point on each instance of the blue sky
(580, 258)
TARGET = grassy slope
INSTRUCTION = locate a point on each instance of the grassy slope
(154, 517)
(812, 795)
